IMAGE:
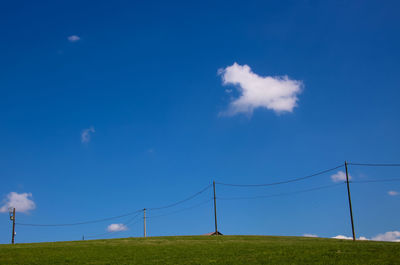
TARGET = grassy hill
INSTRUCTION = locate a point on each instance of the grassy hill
(204, 250)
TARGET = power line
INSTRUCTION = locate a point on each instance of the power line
(374, 165)
(82, 223)
(376, 180)
(182, 201)
(114, 232)
(155, 216)
(119, 216)
(281, 194)
(181, 210)
(281, 182)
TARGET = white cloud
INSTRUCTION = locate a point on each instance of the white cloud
(20, 201)
(393, 236)
(117, 227)
(85, 135)
(393, 193)
(388, 236)
(73, 38)
(275, 93)
(309, 235)
(339, 176)
(349, 237)
(342, 237)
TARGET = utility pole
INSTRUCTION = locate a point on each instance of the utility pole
(144, 221)
(348, 193)
(215, 211)
(12, 217)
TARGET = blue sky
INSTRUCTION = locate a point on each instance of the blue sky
(147, 85)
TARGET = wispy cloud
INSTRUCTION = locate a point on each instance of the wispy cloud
(339, 176)
(73, 38)
(393, 193)
(117, 227)
(86, 134)
(274, 93)
(20, 201)
(310, 235)
(150, 150)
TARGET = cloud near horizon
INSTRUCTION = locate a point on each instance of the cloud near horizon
(117, 227)
(274, 93)
(392, 236)
(393, 193)
(86, 134)
(20, 201)
(349, 237)
(310, 235)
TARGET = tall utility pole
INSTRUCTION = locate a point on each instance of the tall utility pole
(215, 211)
(144, 221)
(351, 209)
(12, 217)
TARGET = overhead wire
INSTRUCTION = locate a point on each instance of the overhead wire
(181, 210)
(181, 201)
(113, 232)
(83, 223)
(119, 216)
(281, 194)
(282, 182)
(150, 217)
(234, 185)
(376, 180)
(373, 165)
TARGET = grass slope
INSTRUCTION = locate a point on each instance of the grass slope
(204, 250)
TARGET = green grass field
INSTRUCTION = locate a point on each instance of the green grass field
(204, 250)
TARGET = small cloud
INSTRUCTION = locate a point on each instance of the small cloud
(150, 151)
(117, 227)
(20, 201)
(349, 237)
(393, 236)
(274, 93)
(228, 91)
(86, 134)
(73, 38)
(393, 193)
(342, 237)
(339, 176)
(309, 235)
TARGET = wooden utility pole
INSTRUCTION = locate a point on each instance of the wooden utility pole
(144, 221)
(215, 211)
(351, 209)
(12, 217)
